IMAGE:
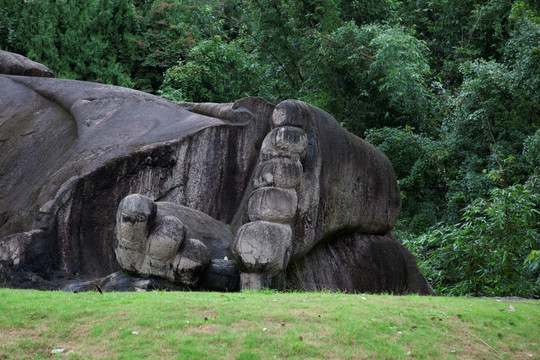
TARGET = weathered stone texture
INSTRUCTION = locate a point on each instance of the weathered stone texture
(345, 184)
(15, 64)
(263, 246)
(374, 263)
(278, 172)
(122, 142)
(167, 240)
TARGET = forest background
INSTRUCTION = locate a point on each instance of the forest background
(449, 90)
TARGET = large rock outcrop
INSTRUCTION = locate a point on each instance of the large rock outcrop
(214, 196)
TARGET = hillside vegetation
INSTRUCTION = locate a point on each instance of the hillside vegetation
(449, 90)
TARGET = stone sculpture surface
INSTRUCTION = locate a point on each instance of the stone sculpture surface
(100, 179)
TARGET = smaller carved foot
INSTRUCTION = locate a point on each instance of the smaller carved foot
(151, 242)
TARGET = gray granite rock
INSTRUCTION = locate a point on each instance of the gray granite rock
(209, 196)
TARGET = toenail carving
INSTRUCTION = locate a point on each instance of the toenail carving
(279, 172)
(263, 247)
(287, 141)
(272, 204)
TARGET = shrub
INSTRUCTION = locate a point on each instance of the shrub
(492, 252)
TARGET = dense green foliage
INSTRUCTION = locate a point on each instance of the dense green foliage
(485, 253)
(213, 70)
(448, 89)
(89, 41)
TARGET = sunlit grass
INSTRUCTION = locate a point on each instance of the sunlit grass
(264, 325)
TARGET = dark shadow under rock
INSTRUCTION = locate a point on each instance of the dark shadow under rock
(120, 281)
(374, 264)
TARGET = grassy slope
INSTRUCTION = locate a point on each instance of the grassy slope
(266, 325)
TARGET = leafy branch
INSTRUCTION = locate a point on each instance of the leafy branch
(333, 41)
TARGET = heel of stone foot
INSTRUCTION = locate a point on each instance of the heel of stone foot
(263, 245)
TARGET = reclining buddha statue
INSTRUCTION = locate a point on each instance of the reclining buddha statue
(100, 180)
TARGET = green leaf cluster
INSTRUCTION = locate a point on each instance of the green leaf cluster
(493, 251)
(77, 40)
(214, 71)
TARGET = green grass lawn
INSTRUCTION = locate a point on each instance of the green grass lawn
(264, 325)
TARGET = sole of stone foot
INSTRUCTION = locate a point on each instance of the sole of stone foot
(314, 180)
